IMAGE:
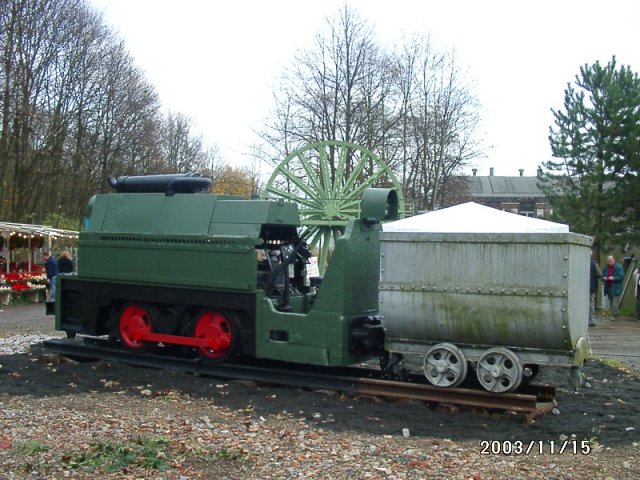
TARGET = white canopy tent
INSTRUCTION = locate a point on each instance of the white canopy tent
(28, 232)
(472, 217)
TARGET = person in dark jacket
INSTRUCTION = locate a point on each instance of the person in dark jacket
(51, 267)
(593, 288)
(612, 275)
(65, 264)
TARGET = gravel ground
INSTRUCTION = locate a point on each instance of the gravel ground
(64, 419)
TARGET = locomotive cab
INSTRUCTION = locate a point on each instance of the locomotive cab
(337, 324)
(282, 258)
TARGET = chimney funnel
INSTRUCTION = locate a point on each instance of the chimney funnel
(521, 170)
(474, 170)
(491, 172)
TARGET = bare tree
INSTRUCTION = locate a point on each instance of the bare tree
(181, 150)
(336, 91)
(439, 117)
(410, 106)
(213, 163)
(280, 136)
(36, 103)
(64, 179)
(75, 109)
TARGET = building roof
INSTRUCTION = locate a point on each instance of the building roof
(495, 187)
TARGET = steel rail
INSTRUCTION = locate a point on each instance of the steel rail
(516, 402)
(535, 401)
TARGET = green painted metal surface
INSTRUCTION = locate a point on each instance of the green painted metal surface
(182, 240)
(252, 213)
(180, 260)
(155, 213)
(320, 334)
(221, 245)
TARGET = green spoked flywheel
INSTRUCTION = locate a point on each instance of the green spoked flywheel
(327, 180)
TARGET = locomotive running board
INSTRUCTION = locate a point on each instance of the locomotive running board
(537, 402)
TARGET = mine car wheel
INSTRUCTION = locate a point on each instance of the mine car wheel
(499, 370)
(135, 322)
(223, 329)
(445, 365)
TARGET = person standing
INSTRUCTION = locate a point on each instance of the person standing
(593, 288)
(51, 267)
(612, 275)
(65, 264)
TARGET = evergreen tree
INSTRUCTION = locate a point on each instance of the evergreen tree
(592, 182)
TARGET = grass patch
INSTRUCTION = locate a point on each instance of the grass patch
(225, 454)
(31, 448)
(147, 453)
(613, 363)
(34, 461)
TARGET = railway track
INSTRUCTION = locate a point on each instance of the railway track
(531, 401)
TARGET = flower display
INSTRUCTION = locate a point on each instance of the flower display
(39, 279)
(19, 282)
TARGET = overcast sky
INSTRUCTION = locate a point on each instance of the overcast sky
(217, 62)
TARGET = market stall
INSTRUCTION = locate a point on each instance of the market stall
(21, 266)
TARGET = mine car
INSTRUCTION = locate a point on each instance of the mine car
(499, 303)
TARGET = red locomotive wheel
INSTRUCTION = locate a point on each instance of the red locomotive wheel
(135, 324)
(222, 330)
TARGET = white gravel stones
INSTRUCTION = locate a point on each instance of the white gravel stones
(21, 342)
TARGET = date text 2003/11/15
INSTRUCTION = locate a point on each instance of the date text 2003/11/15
(540, 447)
